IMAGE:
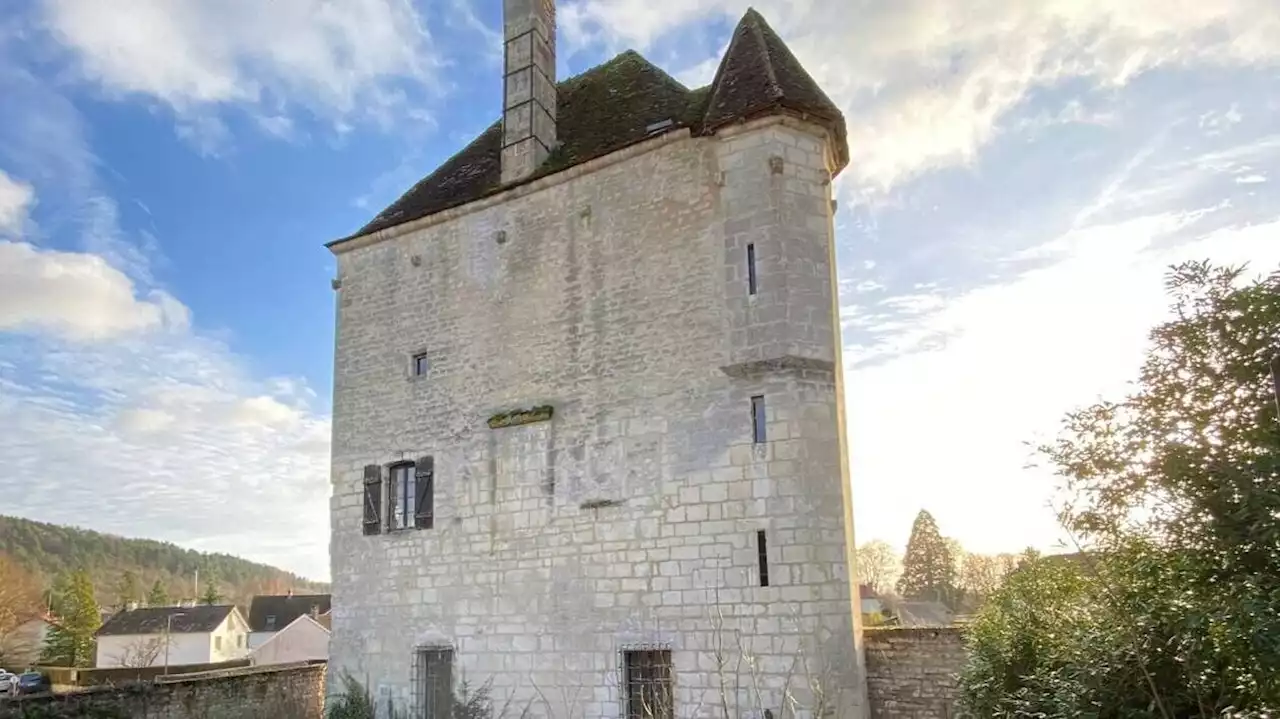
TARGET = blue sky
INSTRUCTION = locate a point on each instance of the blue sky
(1021, 174)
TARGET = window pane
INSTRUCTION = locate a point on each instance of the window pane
(757, 419)
(410, 496)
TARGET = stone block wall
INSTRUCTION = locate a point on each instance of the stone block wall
(286, 691)
(911, 673)
(630, 520)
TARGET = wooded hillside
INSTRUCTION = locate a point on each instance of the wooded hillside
(120, 566)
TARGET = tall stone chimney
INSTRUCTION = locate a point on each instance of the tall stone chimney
(529, 86)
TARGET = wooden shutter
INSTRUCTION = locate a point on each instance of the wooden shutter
(372, 499)
(424, 514)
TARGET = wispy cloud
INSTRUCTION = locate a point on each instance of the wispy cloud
(116, 415)
(116, 412)
(925, 83)
(164, 435)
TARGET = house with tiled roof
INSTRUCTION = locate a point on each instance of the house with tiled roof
(158, 636)
(271, 613)
(587, 411)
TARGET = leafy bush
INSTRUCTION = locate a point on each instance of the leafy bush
(1175, 610)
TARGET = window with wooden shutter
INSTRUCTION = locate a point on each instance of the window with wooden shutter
(424, 516)
(372, 499)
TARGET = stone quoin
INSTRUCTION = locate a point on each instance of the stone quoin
(599, 464)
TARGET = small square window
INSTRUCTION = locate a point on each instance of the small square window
(217, 644)
(420, 364)
(271, 623)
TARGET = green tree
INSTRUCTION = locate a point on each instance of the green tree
(70, 642)
(1175, 492)
(928, 569)
(211, 594)
(158, 597)
(128, 589)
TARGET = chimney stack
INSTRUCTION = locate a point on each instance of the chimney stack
(529, 86)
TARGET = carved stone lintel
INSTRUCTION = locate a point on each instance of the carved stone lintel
(785, 363)
(516, 417)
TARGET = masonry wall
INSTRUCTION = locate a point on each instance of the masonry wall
(630, 519)
(281, 692)
(911, 673)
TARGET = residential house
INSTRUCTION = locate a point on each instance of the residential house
(587, 404)
(154, 636)
(306, 638)
(269, 614)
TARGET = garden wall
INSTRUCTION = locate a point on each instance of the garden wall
(911, 673)
(285, 691)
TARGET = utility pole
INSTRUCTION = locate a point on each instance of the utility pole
(168, 631)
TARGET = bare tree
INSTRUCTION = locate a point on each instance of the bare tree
(141, 652)
(878, 565)
(20, 603)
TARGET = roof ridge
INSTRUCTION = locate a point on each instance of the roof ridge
(753, 21)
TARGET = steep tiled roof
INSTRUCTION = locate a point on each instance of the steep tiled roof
(627, 100)
(284, 609)
(152, 620)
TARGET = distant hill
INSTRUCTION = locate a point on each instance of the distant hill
(50, 549)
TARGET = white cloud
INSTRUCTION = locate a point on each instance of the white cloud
(339, 57)
(946, 427)
(924, 83)
(77, 295)
(16, 199)
(165, 435)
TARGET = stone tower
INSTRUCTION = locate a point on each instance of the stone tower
(588, 427)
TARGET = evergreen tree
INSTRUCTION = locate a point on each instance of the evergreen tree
(928, 569)
(128, 590)
(70, 642)
(211, 595)
(158, 597)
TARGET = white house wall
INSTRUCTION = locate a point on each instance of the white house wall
(257, 639)
(183, 648)
(302, 640)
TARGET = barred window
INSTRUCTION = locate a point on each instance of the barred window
(433, 682)
(647, 682)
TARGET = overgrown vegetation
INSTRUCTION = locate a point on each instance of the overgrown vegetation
(1174, 610)
(355, 702)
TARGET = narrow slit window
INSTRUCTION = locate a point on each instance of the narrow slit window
(751, 269)
(762, 554)
(757, 419)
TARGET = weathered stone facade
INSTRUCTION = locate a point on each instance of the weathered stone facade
(617, 293)
(912, 673)
(294, 691)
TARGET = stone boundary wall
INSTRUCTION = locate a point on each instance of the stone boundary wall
(283, 691)
(911, 672)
